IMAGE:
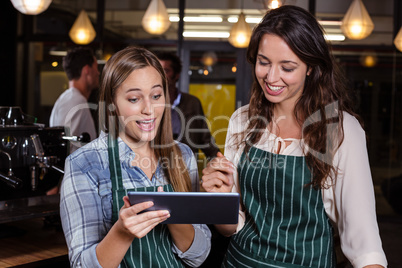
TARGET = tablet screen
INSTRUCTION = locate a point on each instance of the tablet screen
(192, 207)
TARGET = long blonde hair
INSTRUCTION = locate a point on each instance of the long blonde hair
(116, 71)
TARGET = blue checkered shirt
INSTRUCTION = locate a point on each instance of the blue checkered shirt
(86, 200)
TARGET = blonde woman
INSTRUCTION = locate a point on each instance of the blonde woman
(135, 151)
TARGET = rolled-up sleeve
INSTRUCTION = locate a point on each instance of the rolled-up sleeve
(199, 249)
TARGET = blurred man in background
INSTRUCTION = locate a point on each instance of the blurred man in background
(188, 120)
(71, 109)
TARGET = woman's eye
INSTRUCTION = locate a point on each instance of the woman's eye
(133, 100)
(156, 97)
(287, 70)
(263, 63)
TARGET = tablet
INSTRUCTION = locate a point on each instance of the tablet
(192, 207)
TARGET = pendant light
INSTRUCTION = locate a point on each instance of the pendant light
(31, 7)
(240, 33)
(156, 18)
(209, 58)
(369, 59)
(398, 40)
(82, 32)
(357, 23)
(272, 4)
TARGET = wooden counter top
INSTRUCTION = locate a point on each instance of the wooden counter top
(24, 243)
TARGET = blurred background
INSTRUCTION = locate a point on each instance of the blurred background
(214, 69)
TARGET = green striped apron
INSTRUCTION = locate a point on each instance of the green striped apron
(154, 249)
(286, 224)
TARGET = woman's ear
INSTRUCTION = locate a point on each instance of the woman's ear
(309, 70)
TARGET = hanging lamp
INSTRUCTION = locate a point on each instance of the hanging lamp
(82, 32)
(209, 58)
(272, 4)
(31, 7)
(369, 58)
(240, 33)
(357, 23)
(398, 40)
(156, 18)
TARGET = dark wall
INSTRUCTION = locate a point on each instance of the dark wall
(8, 33)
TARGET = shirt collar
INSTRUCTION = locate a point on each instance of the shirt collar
(126, 155)
(177, 100)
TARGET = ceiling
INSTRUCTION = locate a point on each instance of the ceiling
(123, 17)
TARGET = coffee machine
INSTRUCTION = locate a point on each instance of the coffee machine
(31, 155)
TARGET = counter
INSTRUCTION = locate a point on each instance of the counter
(30, 233)
(28, 208)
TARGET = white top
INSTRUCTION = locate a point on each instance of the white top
(350, 203)
(71, 110)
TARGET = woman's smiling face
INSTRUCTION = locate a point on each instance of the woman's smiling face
(280, 73)
(140, 103)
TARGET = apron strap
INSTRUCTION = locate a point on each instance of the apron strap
(114, 163)
(153, 250)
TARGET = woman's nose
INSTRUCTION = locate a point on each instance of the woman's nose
(147, 107)
(273, 74)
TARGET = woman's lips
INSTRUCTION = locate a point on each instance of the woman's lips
(146, 125)
(274, 90)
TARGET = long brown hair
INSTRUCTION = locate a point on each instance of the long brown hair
(324, 97)
(116, 71)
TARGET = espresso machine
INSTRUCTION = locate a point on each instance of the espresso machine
(31, 155)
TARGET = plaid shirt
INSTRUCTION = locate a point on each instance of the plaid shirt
(86, 200)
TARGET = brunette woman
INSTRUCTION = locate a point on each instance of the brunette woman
(297, 154)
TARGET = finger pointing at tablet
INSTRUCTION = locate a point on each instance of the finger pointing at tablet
(218, 175)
